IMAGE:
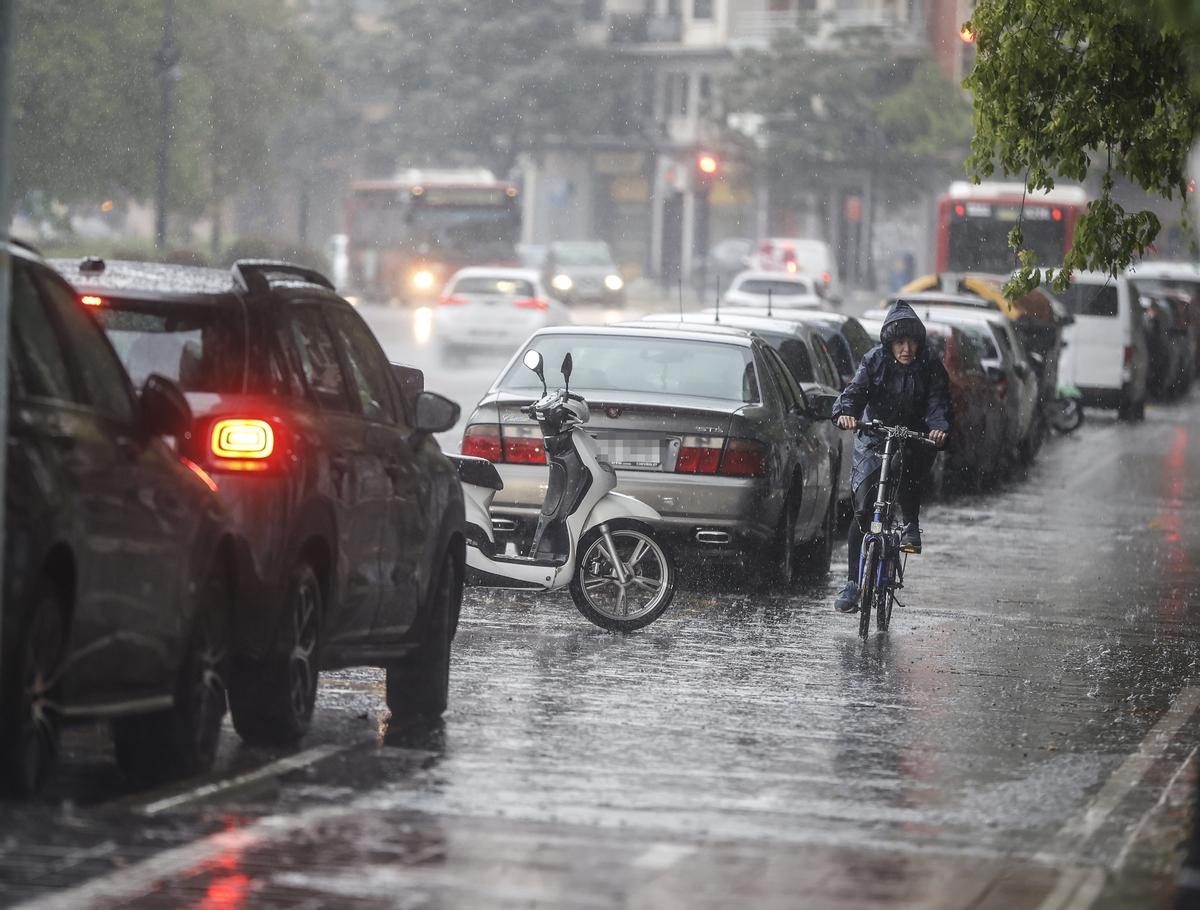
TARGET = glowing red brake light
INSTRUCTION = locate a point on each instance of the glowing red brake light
(826, 277)
(744, 458)
(524, 445)
(92, 300)
(483, 441)
(1056, 214)
(531, 303)
(960, 210)
(451, 300)
(699, 455)
(243, 444)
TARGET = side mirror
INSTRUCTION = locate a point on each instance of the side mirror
(411, 383)
(566, 368)
(533, 360)
(820, 407)
(435, 413)
(163, 410)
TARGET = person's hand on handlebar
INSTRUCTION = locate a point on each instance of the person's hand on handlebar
(846, 422)
(938, 437)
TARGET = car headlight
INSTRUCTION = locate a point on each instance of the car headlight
(614, 282)
(877, 527)
(562, 283)
(423, 280)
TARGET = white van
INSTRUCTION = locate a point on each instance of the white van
(1105, 352)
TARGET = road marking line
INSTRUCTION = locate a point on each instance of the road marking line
(1078, 830)
(1162, 799)
(1076, 889)
(274, 769)
(662, 856)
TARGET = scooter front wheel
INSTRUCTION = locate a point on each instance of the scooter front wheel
(649, 577)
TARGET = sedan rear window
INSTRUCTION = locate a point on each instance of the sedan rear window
(202, 348)
(764, 286)
(626, 363)
(481, 284)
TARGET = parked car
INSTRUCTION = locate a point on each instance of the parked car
(1106, 355)
(975, 451)
(119, 562)
(583, 271)
(1004, 359)
(772, 290)
(493, 309)
(799, 256)
(1169, 342)
(704, 424)
(1176, 276)
(324, 454)
(848, 342)
(805, 354)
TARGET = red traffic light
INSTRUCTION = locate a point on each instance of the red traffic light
(707, 164)
(967, 33)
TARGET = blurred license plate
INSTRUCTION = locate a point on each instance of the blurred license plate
(632, 453)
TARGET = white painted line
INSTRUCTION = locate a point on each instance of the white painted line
(274, 769)
(1078, 830)
(662, 856)
(1166, 794)
(1076, 889)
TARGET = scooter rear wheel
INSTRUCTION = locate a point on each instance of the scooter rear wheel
(650, 578)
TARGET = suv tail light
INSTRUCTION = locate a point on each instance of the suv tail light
(531, 303)
(451, 300)
(699, 455)
(482, 440)
(744, 458)
(244, 444)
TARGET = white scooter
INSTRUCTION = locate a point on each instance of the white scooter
(601, 543)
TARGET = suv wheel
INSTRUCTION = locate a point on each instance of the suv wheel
(183, 740)
(418, 684)
(272, 701)
(29, 748)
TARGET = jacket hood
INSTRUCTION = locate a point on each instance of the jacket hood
(891, 330)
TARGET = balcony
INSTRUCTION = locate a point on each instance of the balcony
(756, 29)
(640, 28)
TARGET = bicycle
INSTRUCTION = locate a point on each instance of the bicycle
(881, 568)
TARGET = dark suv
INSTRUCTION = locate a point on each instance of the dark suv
(324, 454)
(119, 564)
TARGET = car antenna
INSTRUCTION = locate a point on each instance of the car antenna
(770, 313)
(717, 318)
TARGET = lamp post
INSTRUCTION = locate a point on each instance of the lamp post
(6, 47)
(167, 59)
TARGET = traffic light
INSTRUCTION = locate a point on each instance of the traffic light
(708, 169)
(967, 60)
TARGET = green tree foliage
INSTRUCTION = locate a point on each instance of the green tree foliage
(87, 108)
(861, 104)
(1060, 85)
(492, 77)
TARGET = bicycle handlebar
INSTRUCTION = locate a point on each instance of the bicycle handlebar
(875, 426)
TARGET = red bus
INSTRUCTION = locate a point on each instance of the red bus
(409, 234)
(974, 221)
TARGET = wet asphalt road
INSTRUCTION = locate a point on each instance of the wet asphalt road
(1023, 737)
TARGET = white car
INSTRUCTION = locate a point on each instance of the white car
(778, 289)
(493, 309)
(799, 255)
(1106, 355)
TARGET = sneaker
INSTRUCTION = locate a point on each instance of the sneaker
(910, 540)
(847, 601)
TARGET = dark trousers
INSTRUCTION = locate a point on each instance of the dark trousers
(908, 496)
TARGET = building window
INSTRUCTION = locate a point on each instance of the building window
(702, 9)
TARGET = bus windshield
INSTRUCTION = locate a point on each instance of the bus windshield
(979, 242)
(385, 220)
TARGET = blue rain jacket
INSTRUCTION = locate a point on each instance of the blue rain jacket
(916, 396)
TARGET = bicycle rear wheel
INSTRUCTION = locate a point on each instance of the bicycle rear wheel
(867, 588)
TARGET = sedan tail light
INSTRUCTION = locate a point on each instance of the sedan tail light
(699, 455)
(482, 440)
(744, 458)
(532, 303)
(524, 445)
(1128, 355)
(451, 300)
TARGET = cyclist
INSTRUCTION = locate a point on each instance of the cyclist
(898, 384)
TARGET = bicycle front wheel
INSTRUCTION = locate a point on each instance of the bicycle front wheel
(867, 588)
(884, 597)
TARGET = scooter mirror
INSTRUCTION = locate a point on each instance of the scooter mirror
(566, 369)
(533, 360)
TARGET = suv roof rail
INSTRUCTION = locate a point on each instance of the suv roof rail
(252, 274)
